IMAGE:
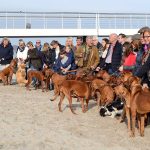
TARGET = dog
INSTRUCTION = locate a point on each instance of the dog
(140, 106)
(71, 88)
(57, 80)
(7, 73)
(21, 74)
(101, 89)
(114, 109)
(36, 74)
(125, 95)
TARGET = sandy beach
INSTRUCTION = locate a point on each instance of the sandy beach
(30, 121)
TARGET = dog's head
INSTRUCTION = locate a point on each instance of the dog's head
(21, 66)
(104, 112)
(13, 63)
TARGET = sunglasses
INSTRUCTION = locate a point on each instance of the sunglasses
(146, 36)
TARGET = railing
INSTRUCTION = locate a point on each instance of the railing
(69, 20)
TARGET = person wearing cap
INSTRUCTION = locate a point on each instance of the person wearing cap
(6, 53)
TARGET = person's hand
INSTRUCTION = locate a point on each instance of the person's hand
(92, 67)
(81, 55)
(144, 86)
(98, 68)
(121, 68)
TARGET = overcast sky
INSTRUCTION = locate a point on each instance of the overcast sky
(137, 6)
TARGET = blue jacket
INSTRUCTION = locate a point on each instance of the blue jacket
(6, 54)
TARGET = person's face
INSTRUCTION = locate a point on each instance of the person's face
(120, 39)
(68, 42)
(89, 42)
(54, 46)
(112, 38)
(67, 49)
(142, 39)
(30, 46)
(95, 41)
(21, 45)
(5, 42)
(62, 56)
(103, 43)
(78, 42)
(146, 37)
(38, 43)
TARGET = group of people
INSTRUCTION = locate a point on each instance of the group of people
(118, 53)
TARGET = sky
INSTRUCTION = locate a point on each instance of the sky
(101, 6)
(104, 6)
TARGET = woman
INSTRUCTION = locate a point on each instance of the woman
(63, 63)
(144, 70)
(22, 52)
(57, 46)
(128, 59)
(48, 56)
(34, 57)
(105, 46)
(6, 53)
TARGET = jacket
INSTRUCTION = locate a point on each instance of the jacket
(6, 54)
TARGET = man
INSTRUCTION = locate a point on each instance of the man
(122, 38)
(38, 45)
(114, 55)
(79, 42)
(87, 56)
(98, 45)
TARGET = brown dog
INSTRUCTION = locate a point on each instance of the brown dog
(104, 92)
(21, 74)
(70, 88)
(57, 81)
(140, 105)
(124, 93)
(7, 73)
(36, 74)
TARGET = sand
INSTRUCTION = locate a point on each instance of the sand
(30, 121)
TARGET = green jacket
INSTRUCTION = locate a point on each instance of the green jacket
(93, 58)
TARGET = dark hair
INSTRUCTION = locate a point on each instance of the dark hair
(54, 42)
(137, 44)
(122, 35)
(142, 30)
(107, 42)
(62, 52)
(128, 49)
(80, 37)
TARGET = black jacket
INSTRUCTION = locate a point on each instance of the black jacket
(34, 58)
(6, 54)
(116, 56)
(48, 57)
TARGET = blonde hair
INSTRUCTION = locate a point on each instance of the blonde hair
(30, 43)
(5, 39)
(45, 47)
(21, 42)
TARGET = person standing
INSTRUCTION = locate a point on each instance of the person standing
(6, 53)
(87, 56)
(114, 55)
